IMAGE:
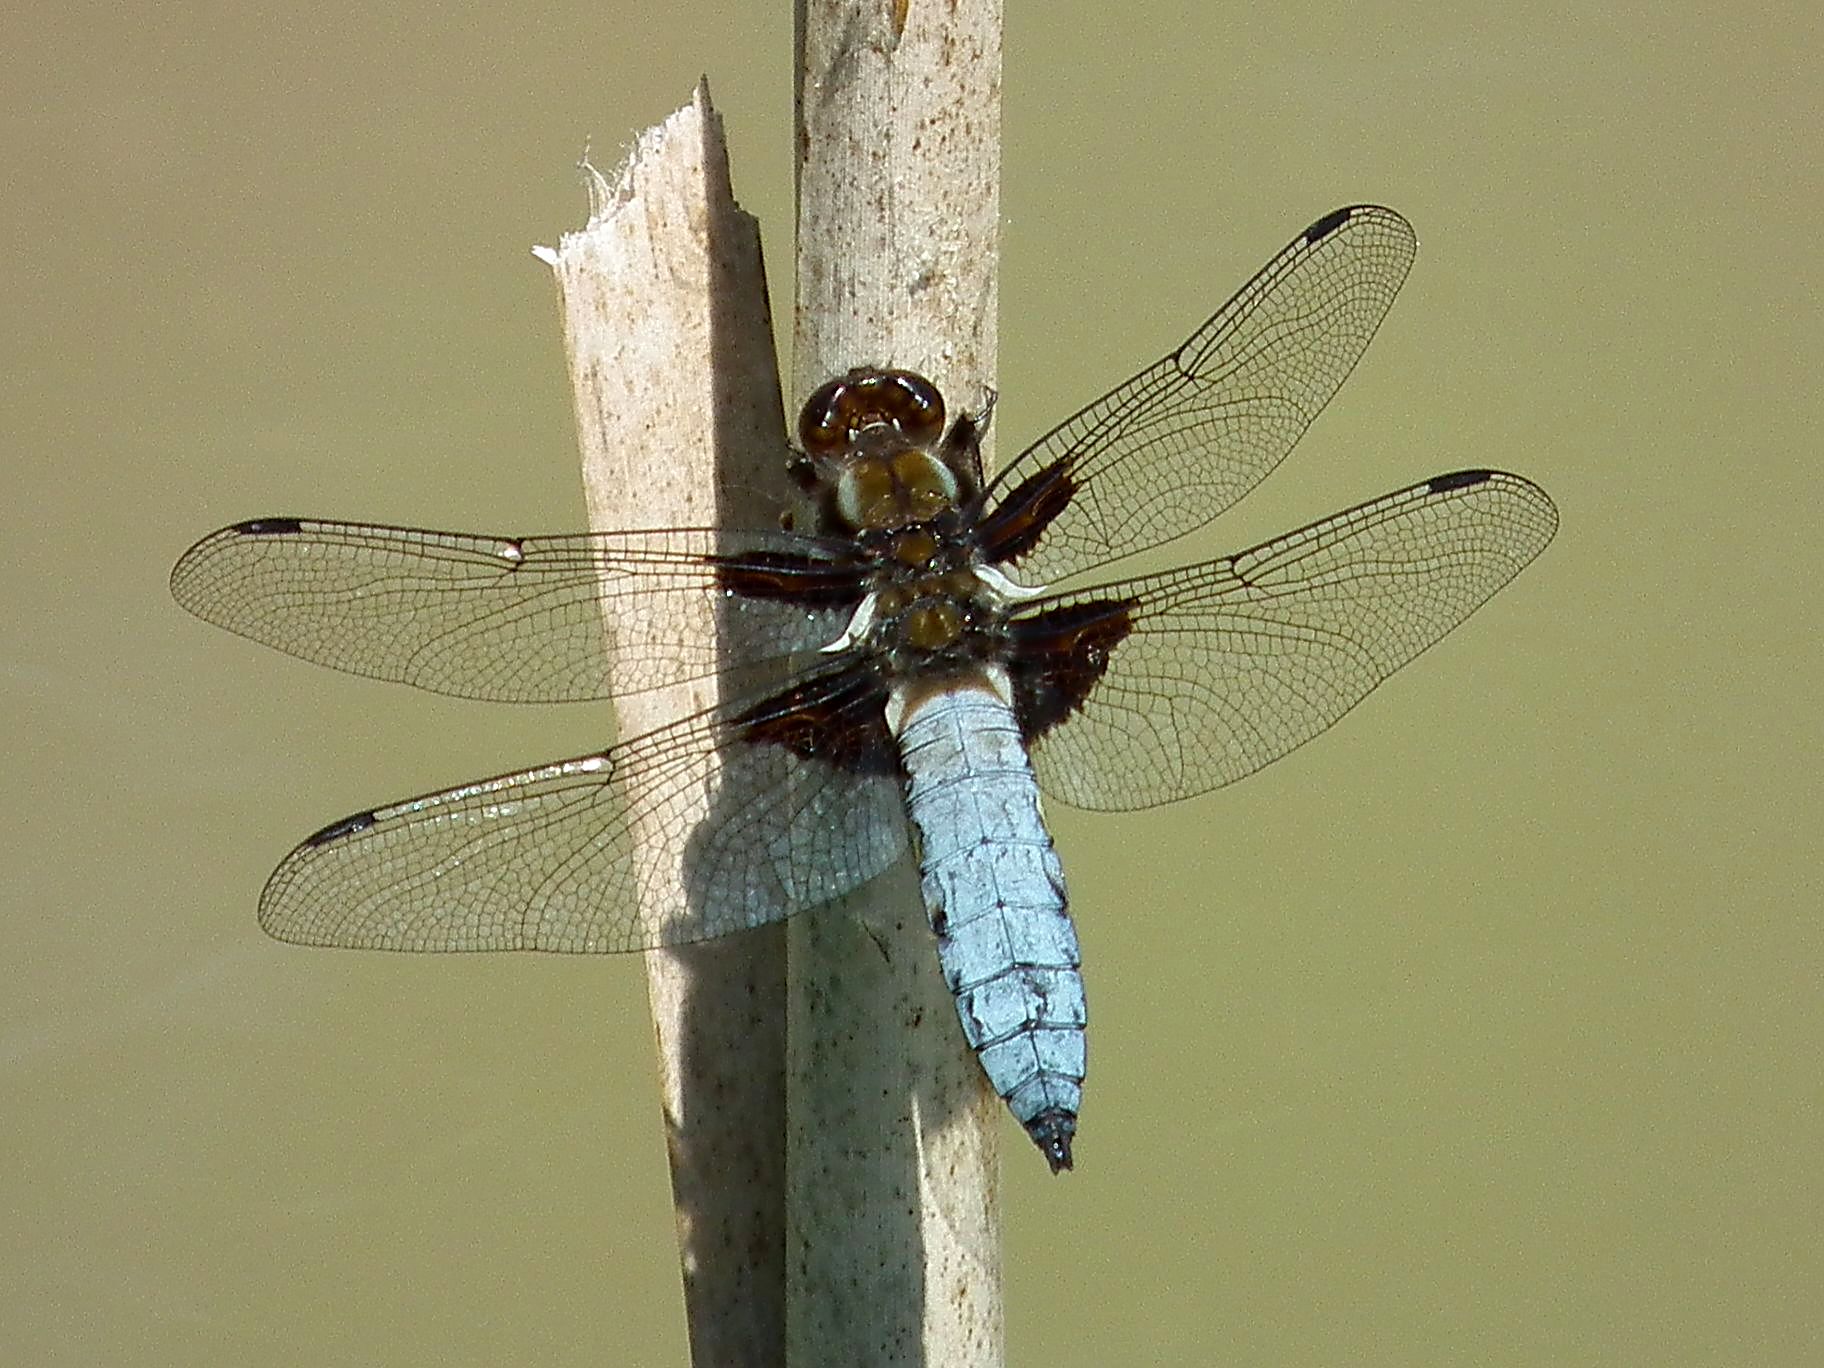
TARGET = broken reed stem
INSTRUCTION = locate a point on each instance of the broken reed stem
(676, 387)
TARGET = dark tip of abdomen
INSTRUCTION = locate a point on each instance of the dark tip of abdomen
(1052, 1131)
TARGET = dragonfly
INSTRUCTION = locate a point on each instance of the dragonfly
(902, 677)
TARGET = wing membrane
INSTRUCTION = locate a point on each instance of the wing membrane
(575, 856)
(499, 618)
(1171, 448)
(1233, 663)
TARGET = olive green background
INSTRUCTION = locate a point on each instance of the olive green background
(1486, 1029)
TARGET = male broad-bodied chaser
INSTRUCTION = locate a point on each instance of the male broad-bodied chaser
(923, 673)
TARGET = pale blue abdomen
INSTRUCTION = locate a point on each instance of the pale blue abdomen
(994, 890)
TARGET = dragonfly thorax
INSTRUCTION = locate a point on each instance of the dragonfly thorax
(892, 489)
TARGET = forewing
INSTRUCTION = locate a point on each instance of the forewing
(1170, 449)
(1231, 664)
(576, 856)
(523, 620)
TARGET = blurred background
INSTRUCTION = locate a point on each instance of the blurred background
(1487, 1028)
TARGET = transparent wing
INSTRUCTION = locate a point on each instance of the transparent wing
(505, 619)
(564, 857)
(1187, 437)
(1233, 663)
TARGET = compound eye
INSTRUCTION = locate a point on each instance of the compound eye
(917, 409)
(823, 428)
(907, 403)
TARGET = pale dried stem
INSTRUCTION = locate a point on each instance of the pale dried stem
(678, 417)
(894, 1237)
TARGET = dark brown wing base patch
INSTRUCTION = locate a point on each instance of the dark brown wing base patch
(781, 576)
(1058, 658)
(838, 717)
(1020, 519)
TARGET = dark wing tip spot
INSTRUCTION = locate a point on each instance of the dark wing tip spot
(337, 831)
(1458, 479)
(1328, 224)
(270, 527)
